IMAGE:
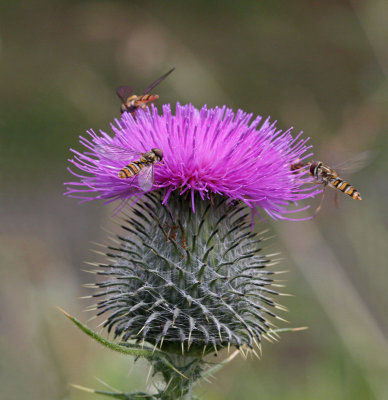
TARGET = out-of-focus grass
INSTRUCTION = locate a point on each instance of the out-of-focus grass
(319, 67)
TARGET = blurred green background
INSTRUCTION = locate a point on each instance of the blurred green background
(318, 66)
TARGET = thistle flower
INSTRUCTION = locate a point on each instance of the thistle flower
(187, 275)
(207, 151)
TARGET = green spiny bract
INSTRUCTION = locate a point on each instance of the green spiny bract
(180, 279)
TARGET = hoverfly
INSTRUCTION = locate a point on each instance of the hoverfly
(132, 102)
(327, 176)
(142, 167)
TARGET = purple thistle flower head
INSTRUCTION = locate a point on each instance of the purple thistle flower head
(206, 151)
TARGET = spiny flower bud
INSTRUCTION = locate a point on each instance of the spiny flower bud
(179, 278)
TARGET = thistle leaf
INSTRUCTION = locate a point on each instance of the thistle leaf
(115, 395)
(135, 350)
(128, 349)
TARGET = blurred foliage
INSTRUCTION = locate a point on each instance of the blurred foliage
(317, 66)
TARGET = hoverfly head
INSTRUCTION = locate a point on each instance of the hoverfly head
(158, 153)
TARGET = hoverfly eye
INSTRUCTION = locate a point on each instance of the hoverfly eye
(159, 153)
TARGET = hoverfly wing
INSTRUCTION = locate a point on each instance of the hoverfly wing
(116, 153)
(356, 162)
(146, 178)
(156, 83)
(124, 92)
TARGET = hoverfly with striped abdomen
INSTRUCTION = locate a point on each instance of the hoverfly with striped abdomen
(142, 166)
(133, 102)
(328, 176)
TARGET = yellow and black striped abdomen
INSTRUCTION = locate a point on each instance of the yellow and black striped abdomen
(346, 188)
(130, 170)
(144, 97)
(148, 97)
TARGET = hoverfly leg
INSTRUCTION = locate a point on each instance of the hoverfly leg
(183, 241)
(123, 202)
(336, 199)
(321, 202)
(211, 199)
(172, 232)
(121, 206)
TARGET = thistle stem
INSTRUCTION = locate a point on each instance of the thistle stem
(179, 386)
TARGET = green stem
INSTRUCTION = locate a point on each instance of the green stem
(178, 387)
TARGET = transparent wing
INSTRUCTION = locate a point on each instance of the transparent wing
(355, 163)
(146, 178)
(117, 153)
(156, 83)
(124, 92)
